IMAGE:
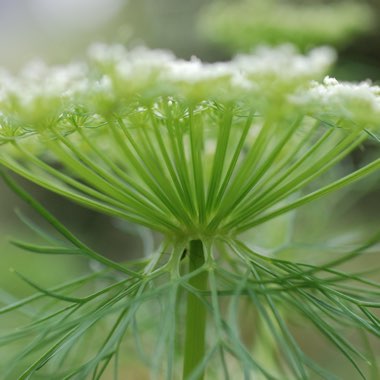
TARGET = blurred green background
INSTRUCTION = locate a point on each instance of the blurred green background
(59, 32)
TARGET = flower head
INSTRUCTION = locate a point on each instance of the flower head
(136, 129)
(359, 103)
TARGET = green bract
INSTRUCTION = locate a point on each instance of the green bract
(201, 153)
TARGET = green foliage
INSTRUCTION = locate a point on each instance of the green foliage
(241, 25)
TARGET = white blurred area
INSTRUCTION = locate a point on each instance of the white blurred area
(53, 29)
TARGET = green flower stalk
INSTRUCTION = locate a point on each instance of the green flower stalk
(200, 153)
(241, 25)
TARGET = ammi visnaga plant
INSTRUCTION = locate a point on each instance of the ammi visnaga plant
(203, 154)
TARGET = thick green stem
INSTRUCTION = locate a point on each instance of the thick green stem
(196, 314)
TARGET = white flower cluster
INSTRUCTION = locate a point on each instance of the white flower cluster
(142, 67)
(38, 95)
(269, 79)
(113, 76)
(37, 80)
(284, 62)
(358, 102)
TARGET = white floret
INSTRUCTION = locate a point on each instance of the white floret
(142, 61)
(349, 100)
(284, 62)
(194, 71)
